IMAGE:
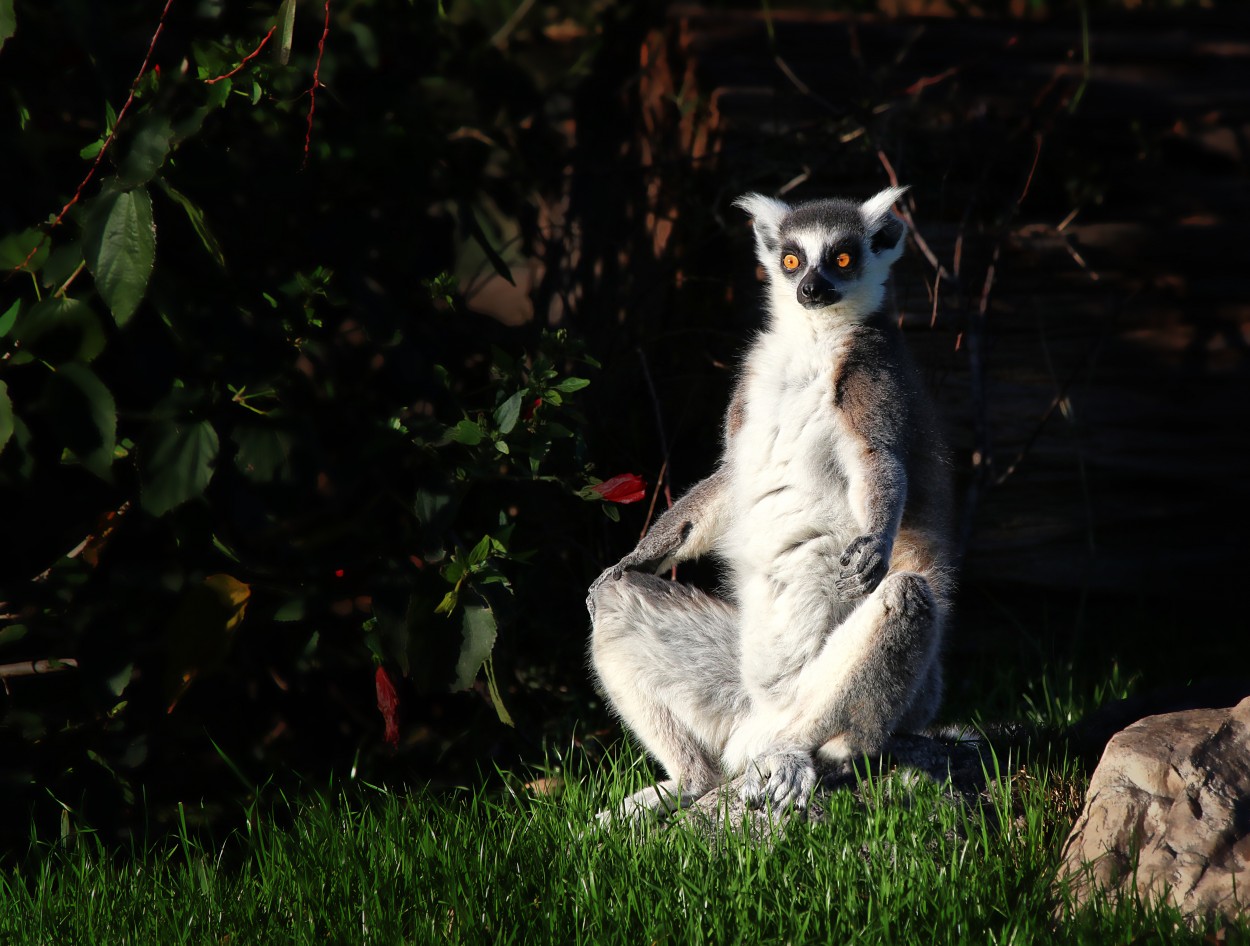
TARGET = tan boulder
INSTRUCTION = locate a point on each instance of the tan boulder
(1168, 814)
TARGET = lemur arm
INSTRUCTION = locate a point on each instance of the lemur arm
(873, 409)
(687, 530)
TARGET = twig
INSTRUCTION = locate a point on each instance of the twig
(143, 69)
(806, 90)
(500, 39)
(659, 481)
(659, 423)
(911, 223)
(246, 59)
(312, 92)
(30, 668)
(1063, 224)
(1037, 137)
(68, 282)
(96, 536)
(984, 304)
(655, 405)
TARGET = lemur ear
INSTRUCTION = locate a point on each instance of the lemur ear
(767, 213)
(885, 230)
(878, 205)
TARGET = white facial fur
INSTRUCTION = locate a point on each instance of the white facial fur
(861, 298)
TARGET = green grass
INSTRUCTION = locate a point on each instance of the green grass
(365, 865)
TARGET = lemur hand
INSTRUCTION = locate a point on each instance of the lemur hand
(863, 565)
(634, 561)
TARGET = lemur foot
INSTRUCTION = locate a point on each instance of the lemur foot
(908, 595)
(782, 778)
(863, 565)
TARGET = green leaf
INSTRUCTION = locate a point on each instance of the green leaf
(430, 507)
(448, 604)
(9, 318)
(6, 425)
(555, 430)
(8, 21)
(263, 454)
(480, 630)
(493, 688)
(291, 610)
(61, 330)
(15, 246)
(16, 459)
(6, 415)
(84, 416)
(466, 432)
(198, 223)
(286, 30)
(118, 682)
(479, 552)
(119, 245)
(455, 569)
(62, 263)
(506, 414)
(148, 150)
(177, 463)
(14, 632)
(569, 385)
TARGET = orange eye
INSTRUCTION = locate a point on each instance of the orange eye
(790, 262)
(843, 260)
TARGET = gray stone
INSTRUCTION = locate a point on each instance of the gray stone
(1167, 814)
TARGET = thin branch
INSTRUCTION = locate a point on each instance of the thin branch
(31, 668)
(655, 494)
(1037, 137)
(60, 293)
(911, 223)
(500, 39)
(655, 405)
(104, 529)
(659, 423)
(143, 70)
(312, 92)
(246, 59)
(806, 90)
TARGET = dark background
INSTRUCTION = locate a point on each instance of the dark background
(479, 175)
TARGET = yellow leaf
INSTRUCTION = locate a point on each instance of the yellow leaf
(233, 594)
(198, 633)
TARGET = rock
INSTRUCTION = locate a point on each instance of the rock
(1089, 737)
(1168, 814)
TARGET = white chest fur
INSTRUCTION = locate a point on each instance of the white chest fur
(788, 482)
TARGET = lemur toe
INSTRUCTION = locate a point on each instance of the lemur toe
(782, 780)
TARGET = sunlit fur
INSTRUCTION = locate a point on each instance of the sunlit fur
(829, 510)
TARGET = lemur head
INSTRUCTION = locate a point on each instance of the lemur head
(827, 254)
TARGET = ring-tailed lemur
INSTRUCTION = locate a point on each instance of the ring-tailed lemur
(830, 508)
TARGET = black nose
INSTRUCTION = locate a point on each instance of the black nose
(816, 292)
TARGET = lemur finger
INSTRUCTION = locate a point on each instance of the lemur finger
(752, 791)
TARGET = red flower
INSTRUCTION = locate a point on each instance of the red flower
(626, 488)
(388, 705)
(528, 411)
